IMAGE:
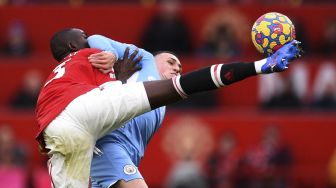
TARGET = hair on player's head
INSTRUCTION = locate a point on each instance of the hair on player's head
(164, 51)
(59, 44)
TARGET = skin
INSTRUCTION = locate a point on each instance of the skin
(104, 61)
(125, 68)
(168, 66)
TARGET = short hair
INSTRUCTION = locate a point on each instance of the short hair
(59, 44)
(164, 51)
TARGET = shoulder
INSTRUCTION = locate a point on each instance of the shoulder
(87, 51)
(81, 55)
(98, 39)
(96, 36)
(80, 58)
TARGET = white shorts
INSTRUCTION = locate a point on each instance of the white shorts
(71, 136)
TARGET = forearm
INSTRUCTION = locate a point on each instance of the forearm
(102, 43)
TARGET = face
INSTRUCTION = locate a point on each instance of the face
(79, 40)
(168, 65)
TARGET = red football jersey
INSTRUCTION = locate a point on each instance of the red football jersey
(73, 77)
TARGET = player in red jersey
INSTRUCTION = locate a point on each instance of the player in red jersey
(73, 111)
(73, 77)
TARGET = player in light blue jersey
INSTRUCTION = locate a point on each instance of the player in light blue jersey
(122, 149)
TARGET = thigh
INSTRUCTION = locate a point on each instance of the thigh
(70, 151)
(113, 165)
(103, 110)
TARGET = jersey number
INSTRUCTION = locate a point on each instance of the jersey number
(59, 71)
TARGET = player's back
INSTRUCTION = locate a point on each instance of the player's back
(73, 77)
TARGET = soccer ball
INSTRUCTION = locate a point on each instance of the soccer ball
(271, 31)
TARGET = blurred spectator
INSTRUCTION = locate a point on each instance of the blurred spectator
(76, 2)
(186, 174)
(301, 35)
(268, 87)
(261, 2)
(223, 163)
(324, 91)
(18, 2)
(270, 161)
(220, 43)
(17, 43)
(11, 153)
(26, 96)
(167, 31)
(288, 92)
(287, 98)
(188, 143)
(281, 2)
(12, 160)
(318, 2)
(224, 37)
(102, 2)
(329, 38)
(327, 99)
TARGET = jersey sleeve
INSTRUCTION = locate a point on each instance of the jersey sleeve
(102, 43)
(107, 44)
(149, 70)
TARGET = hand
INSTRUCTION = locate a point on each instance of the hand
(103, 61)
(126, 67)
(280, 60)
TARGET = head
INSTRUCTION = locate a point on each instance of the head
(227, 142)
(32, 81)
(67, 41)
(271, 136)
(6, 138)
(169, 9)
(168, 65)
(17, 33)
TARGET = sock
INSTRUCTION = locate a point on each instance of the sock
(212, 77)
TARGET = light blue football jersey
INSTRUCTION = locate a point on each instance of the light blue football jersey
(133, 137)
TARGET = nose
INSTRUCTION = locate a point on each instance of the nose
(176, 68)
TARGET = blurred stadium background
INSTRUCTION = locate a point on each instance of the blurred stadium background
(270, 131)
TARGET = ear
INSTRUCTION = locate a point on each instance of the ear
(72, 46)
